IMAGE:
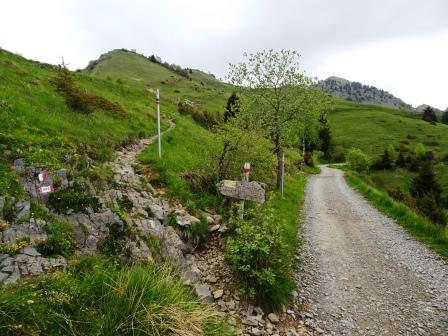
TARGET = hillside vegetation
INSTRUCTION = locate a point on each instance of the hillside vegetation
(373, 128)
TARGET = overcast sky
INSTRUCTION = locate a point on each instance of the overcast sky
(397, 45)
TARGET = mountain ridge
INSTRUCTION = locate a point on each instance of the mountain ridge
(361, 93)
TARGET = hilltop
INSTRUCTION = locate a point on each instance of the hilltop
(360, 93)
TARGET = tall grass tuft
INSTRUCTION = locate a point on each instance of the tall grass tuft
(101, 300)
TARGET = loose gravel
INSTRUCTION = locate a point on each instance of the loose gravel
(362, 273)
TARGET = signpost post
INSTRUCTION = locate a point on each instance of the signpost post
(246, 172)
(158, 123)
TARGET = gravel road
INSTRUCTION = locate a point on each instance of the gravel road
(363, 274)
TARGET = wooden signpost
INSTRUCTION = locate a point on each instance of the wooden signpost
(243, 190)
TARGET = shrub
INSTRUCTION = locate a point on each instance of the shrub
(125, 203)
(357, 160)
(337, 154)
(259, 258)
(75, 197)
(78, 99)
(12, 249)
(3, 225)
(115, 243)
(8, 210)
(60, 240)
(204, 118)
(429, 207)
(425, 182)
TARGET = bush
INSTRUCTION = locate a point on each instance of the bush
(75, 197)
(337, 154)
(358, 161)
(115, 243)
(60, 240)
(429, 207)
(78, 99)
(259, 258)
(204, 118)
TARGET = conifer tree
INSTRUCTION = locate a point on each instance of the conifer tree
(429, 114)
(232, 107)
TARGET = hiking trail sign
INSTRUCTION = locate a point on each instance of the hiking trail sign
(248, 191)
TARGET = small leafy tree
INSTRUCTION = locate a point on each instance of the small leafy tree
(238, 143)
(276, 92)
(358, 161)
(429, 114)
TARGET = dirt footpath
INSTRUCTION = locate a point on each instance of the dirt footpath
(364, 275)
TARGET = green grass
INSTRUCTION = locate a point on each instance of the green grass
(434, 236)
(288, 208)
(372, 128)
(95, 298)
(37, 125)
(184, 149)
(139, 72)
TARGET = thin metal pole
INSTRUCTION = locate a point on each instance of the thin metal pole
(158, 124)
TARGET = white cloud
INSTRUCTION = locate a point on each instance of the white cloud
(379, 42)
(414, 69)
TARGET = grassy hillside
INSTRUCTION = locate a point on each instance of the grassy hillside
(372, 128)
(138, 71)
(37, 125)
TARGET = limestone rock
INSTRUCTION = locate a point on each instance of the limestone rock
(217, 294)
(22, 210)
(273, 318)
(19, 165)
(203, 291)
(30, 251)
(214, 228)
